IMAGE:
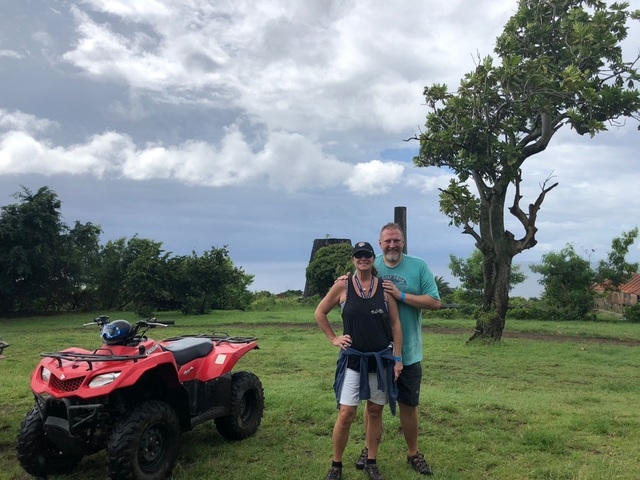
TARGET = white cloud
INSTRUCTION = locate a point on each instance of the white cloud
(374, 177)
(10, 54)
(23, 122)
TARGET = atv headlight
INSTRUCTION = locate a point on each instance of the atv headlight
(45, 373)
(104, 379)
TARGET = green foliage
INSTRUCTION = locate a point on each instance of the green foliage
(567, 279)
(210, 281)
(444, 289)
(146, 280)
(44, 264)
(329, 262)
(471, 274)
(615, 270)
(632, 313)
(48, 266)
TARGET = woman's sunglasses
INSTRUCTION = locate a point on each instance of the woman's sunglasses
(363, 255)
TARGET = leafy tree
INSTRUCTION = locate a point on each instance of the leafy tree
(72, 284)
(561, 64)
(615, 270)
(444, 288)
(211, 281)
(567, 279)
(470, 273)
(327, 264)
(31, 241)
(109, 275)
(147, 278)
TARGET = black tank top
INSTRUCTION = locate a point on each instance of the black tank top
(366, 320)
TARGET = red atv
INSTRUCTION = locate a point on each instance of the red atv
(134, 397)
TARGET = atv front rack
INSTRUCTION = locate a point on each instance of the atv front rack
(90, 358)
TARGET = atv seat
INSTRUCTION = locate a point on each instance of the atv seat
(186, 349)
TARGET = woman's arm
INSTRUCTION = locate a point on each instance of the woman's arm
(333, 297)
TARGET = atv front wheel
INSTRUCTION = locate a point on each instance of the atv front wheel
(247, 407)
(37, 455)
(144, 445)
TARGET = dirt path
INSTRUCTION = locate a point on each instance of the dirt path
(466, 331)
(539, 336)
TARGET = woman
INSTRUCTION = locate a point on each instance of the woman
(370, 349)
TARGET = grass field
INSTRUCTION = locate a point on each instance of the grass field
(525, 408)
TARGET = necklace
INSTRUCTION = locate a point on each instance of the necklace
(368, 294)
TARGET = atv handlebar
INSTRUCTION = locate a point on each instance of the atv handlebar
(149, 322)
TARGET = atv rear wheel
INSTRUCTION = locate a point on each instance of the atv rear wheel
(144, 445)
(247, 407)
(37, 455)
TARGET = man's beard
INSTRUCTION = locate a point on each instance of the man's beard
(392, 256)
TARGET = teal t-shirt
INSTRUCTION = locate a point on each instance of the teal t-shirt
(411, 275)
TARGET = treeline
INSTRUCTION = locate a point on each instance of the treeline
(48, 266)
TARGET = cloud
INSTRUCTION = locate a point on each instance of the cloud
(374, 177)
(10, 54)
(288, 161)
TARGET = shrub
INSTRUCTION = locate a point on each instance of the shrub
(632, 313)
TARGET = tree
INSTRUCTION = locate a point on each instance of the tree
(615, 270)
(444, 288)
(31, 241)
(147, 281)
(328, 263)
(72, 285)
(470, 273)
(210, 281)
(561, 64)
(109, 275)
(567, 279)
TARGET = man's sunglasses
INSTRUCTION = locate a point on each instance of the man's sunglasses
(363, 255)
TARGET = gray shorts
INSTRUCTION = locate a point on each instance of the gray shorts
(409, 384)
(350, 394)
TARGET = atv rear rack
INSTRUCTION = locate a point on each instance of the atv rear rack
(216, 338)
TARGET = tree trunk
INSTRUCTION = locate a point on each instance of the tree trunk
(497, 247)
(495, 298)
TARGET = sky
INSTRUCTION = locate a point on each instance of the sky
(262, 126)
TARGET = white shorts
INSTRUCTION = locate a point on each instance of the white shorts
(350, 394)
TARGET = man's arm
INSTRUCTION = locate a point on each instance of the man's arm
(423, 302)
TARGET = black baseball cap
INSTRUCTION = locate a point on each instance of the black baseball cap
(362, 247)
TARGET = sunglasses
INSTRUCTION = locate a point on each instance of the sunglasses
(363, 255)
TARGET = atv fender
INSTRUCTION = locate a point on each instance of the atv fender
(223, 359)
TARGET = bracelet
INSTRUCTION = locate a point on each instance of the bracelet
(397, 359)
(402, 297)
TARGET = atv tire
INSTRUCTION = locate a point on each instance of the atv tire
(246, 409)
(144, 445)
(37, 455)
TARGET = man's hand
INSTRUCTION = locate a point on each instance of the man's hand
(343, 277)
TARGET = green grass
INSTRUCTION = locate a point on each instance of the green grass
(519, 409)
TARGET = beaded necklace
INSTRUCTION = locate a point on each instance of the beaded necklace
(368, 294)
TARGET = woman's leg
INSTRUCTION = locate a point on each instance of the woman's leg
(346, 415)
(374, 428)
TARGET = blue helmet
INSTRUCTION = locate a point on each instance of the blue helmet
(115, 332)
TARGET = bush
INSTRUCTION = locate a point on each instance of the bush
(632, 313)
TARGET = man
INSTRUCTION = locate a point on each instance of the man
(409, 280)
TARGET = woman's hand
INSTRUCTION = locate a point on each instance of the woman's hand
(342, 341)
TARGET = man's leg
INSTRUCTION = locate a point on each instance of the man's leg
(409, 424)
